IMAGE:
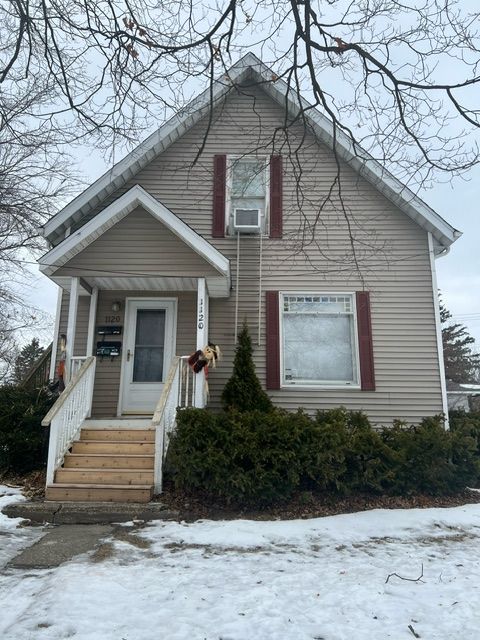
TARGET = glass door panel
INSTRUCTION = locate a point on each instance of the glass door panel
(149, 345)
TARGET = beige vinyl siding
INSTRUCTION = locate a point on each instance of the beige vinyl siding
(81, 330)
(392, 252)
(107, 374)
(138, 244)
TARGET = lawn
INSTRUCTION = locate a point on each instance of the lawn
(324, 578)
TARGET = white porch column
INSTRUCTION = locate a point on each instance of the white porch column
(53, 360)
(92, 315)
(202, 339)
(72, 323)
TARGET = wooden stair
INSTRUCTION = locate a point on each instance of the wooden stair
(107, 464)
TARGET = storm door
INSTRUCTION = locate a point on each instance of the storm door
(148, 350)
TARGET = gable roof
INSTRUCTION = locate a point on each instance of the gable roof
(219, 285)
(251, 68)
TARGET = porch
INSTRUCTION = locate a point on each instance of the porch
(134, 288)
(134, 335)
(122, 366)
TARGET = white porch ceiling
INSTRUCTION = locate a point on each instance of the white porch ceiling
(216, 286)
(140, 283)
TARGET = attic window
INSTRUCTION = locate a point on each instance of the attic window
(247, 180)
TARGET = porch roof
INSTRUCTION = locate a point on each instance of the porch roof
(217, 266)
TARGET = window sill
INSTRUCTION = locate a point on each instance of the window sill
(323, 387)
(264, 234)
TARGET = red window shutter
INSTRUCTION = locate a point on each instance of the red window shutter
(365, 343)
(219, 189)
(276, 197)
(273, 340)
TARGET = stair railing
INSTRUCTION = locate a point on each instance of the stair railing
(188, 388)
(67, 415)
(76, 364)
(163, 420)
(37, 376)
(179, 392)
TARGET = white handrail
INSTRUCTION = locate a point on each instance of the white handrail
(178, 392)
(163, 420)
(75, 364)
(67, 415)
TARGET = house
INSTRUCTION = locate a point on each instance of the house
(463, 397)
(168, 250)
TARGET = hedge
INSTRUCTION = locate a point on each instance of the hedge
(23, 441)
(258, 458)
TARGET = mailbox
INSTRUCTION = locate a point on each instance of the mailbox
(108, 349)
(109, 330)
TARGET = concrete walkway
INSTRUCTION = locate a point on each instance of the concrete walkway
(60, 544)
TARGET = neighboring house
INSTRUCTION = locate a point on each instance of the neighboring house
(463, 397)
(161, 254)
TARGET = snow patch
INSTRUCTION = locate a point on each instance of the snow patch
(279, 580)
(13, 537)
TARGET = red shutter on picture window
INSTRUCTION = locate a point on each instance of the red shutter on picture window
(276, 197)
(219, 190)
(273, 340)
(365, 343)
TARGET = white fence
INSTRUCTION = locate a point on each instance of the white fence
(68, 413)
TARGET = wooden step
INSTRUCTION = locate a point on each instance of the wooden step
(98, 493)
(104, 476)
(119, 435)
(105, 461)
(113, 446)
(117, 423)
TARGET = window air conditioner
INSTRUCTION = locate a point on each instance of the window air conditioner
(247, 220)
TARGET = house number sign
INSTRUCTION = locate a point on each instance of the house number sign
(201, 314)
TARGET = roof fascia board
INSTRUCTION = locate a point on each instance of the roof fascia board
(125, 204)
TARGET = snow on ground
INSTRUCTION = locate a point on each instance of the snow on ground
(317, 579)
(13, 537)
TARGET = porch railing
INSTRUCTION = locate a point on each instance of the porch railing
(68, 413)
(187, 392)
(76, 364)
(38, 375)
(179, 391)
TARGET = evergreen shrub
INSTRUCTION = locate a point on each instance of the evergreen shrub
(259, 458)
(243, 390)
(23, 441)
(465, 428)
(422, 457)
(249, 457)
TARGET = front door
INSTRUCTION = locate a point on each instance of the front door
(148, 349)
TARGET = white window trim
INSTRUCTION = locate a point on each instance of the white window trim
(228, 191)
(321, 385)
